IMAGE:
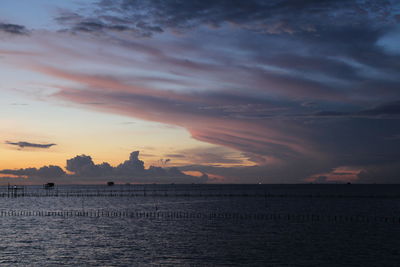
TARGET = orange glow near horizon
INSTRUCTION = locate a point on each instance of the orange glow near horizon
(12, 176)
(193, 173)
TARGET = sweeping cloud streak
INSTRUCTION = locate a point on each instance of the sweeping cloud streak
(303, 89)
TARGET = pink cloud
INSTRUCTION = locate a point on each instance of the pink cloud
(339, 174)
(267, 139)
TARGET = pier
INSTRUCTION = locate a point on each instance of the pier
(15, 191)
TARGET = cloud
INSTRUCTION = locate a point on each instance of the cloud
(50, 172)
(210, 156)
(384, 110)
(20, 172)
(47, 172)
(84, 166)
(76, 23)
(265, 132)
(212, 126)
(13, 29)
(132, 166)
(83, 170)
(265, 17)
(289, 84)
(23, 144)
(293, 171)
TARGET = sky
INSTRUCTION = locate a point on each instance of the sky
(197, 91)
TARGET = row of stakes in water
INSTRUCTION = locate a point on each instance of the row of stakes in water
(199, 215)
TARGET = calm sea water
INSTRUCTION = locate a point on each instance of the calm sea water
(206, 240)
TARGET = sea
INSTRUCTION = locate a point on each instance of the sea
(200, 225)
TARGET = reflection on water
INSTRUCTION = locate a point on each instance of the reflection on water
(127, 241)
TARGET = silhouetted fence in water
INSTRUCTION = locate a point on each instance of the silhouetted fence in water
(199, 215)
(259, 191)
(178, 193)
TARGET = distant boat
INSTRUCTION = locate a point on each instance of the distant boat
(48, 185)
(110, 183)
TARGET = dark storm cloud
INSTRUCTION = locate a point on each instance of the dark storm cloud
(343, 133)
(330, 136)
(82, 169)
(274, 16)
(307, 85)
(359, 142)
(13, 29)
(23, 144)
(269, 17)
(225, 132)
(76, 23)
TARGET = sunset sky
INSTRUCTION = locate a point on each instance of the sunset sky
(233, 91)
